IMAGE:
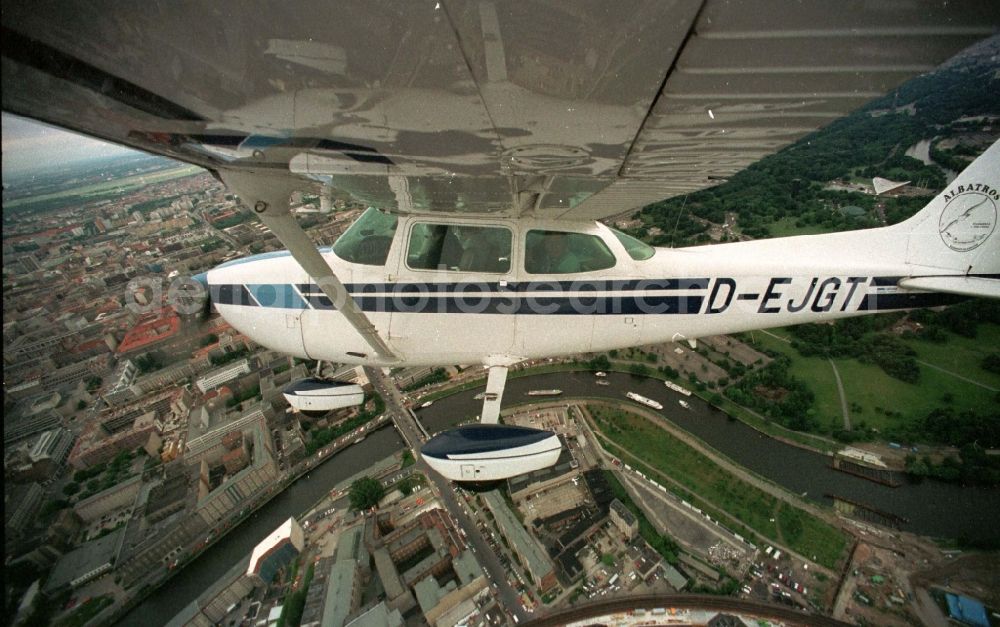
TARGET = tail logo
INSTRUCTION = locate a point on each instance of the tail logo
(969, 218)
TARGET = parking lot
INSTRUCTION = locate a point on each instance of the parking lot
(691, 530)
(552, 501)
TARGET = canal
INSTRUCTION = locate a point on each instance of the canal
(932, 507)
(208, 567)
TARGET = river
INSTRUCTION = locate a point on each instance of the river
(922, 151)
(932, 507)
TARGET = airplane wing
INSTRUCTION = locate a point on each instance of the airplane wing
(570, 110)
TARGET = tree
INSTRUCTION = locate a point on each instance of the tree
(408, 459)
(365, 493)
(601, 362)
(639, 370)
(71, 488)
(407, 485)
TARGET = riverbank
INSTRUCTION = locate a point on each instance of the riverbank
(707, 477)
(752, 419)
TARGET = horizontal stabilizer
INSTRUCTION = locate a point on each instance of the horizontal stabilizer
(963, 285)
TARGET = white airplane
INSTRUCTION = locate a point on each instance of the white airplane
(489, 138)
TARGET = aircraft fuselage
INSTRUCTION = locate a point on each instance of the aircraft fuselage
(451, 316)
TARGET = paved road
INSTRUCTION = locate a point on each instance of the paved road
(217, 231)
(958, 376)
(415, 436)
(923, 363)
(843, 397)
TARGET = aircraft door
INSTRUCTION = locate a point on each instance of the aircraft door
(448, 295)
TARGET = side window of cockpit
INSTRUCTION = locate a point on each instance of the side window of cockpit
(459, 248)
(367, 241)
(555, 252)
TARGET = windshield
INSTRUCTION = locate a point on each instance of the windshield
(636, 249)
(367, 241)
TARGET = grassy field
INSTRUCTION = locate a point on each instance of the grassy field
(963, 355)
(786, 227)
(117, 186)
(869, 387)
(792, 526)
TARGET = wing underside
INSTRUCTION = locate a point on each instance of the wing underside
(572, 110)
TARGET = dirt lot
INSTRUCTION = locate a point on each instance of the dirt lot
(685, 360)
(735, 350)
(891, 573)
(976, 575)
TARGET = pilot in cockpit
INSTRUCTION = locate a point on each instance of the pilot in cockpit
(558, 257)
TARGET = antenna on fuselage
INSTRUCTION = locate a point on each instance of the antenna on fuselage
(678, 220)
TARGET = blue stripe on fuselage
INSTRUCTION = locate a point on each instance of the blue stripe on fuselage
(588, 304)
(620, 285)
(523, 299)
(889, 302)
(529, 297)
(280, 295)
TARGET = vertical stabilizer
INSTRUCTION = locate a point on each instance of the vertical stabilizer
(956, 233)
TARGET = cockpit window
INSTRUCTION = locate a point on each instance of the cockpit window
(459, 248)
(367, 241)
(554, 252)
(636, 249)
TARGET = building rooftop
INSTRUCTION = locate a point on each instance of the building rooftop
(853, 211)
(424, 565)
(624, 512)
(350, 544)
(150, 332)
(378, 616)
(88, 557)
(538, 561)
(676, 580)
(564, 465)
(387, 574)
(966, 610)
(339, 593)
(467, 568)
(288, 531)
(429, 593)
(170, 491)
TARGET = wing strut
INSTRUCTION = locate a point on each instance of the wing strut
(269, 196)
(494, 393)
